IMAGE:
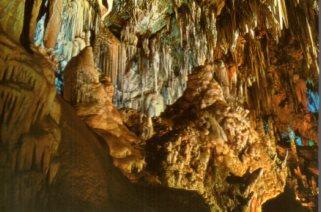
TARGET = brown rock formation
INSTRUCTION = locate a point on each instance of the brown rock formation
(93, 103)
(30, 132)
(54, 23)
(213, 149)
(236, 80)
(49, 159)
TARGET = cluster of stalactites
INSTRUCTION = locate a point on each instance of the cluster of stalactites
(160, 73)
(74, 23)
(146, 80)
(188, 34)
(303, 23)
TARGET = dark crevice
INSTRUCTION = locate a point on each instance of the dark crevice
(24, 38)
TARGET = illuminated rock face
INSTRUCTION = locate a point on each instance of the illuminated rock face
(161, 42)
(30, 132)
(92, 100)
(214, 100)
(266, 52)
(212, 148)
(49, 158)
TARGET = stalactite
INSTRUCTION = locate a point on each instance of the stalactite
(201, 34)
(39, 33)
(255, 54)
(68, 30)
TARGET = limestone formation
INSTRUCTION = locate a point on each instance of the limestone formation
(213, 149)
(92, 100)
(30, 135)
(159, 105)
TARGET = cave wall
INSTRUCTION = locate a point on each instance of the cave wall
(161, 42)
(217, 97)
(50, 159)
(266, 54)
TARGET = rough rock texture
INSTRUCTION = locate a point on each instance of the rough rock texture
(213, 149)
(88, 181)
(138, 123)
(287, 109)
(267, 54)
(160, 42)
(92, 100)
(237, 81)
(54, 23)
(30, 135)
(50, 160)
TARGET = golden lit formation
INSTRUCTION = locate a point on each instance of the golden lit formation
(159, 105)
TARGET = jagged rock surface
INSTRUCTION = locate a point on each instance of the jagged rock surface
(93, 103)
(213, 149)
(160, 42)
(261, 53)
(267, 51)
(50, 160)
(30, 132)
